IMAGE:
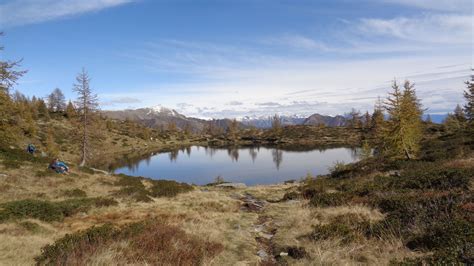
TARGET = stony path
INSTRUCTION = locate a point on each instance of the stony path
(264, 228)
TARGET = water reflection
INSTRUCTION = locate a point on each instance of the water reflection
(250, 165)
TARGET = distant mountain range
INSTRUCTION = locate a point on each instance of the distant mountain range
(315, 119)
(161, 117)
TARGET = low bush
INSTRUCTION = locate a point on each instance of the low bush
(166, 188)
(30, 226)
(134, 188)
(75, 193)
(49, 211)
(148, 243)
(347, 228)
(434, 176)
(330, 199)
(451, 240)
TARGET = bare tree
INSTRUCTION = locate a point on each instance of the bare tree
(56, 101)
(87, 104)
(8, 73)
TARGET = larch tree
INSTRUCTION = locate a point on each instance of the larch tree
(367, 120)
(469, 96)
(233, 129)
(70, 110)
(56, 101)
(87, 105)
(404, 127)
(9, 75)
(355, 120)
(276, 124)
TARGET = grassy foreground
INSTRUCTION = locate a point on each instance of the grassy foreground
(367, 213)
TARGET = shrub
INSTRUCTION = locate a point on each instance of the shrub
(49, 211)
(75, 193)
(166, 188)
(30, 226)
(134, 188)
(434, 176)
(149, 243)
(348, 228)
(451, 240)
(330, 199)
(42, 210)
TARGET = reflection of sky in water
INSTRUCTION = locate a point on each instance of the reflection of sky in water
(200, 165)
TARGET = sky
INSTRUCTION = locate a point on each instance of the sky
(235, 58)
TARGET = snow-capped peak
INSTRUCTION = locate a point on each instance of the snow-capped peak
(163, 110)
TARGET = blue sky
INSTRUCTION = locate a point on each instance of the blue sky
(233, 58)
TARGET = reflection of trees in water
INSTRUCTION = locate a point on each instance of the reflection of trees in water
(277, 157)
(210, 151)
(253, 153)
(233, 153)
(173, 155)
(188, 151)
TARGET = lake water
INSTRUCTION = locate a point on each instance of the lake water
(201, 165)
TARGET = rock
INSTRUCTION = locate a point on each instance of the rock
(100, 171)
(259, 228)
(266, 236)
(3, 175)
(394, 173)
(232, 185)
(283, 254)
(262, 254)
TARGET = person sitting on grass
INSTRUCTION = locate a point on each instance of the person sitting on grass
(59, 166)
(31, 149)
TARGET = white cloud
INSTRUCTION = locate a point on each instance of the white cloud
(441, 5)
(428, 28)
(21, 12)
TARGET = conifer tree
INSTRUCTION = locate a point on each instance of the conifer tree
(459, 114)
(378, 120)
(172, 128)
(56, 101)
(367, 120)
(405, 126)
(9, 76)
(355, 120)
(232, 129)
(276, 124)
(43, 111)
(70, 110)
(87, 105)
(52, 148)
(469, 96)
